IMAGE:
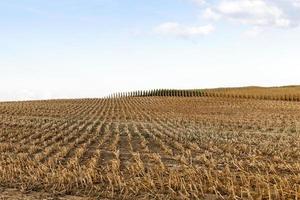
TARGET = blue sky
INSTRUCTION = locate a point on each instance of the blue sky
(90, 48)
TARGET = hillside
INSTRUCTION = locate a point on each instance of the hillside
(284, 93)
(153, 147)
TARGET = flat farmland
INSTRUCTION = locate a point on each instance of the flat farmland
(152, 148)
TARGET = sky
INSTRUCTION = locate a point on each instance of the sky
(91, 48)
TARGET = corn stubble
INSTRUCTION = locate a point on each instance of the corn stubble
(153, 147)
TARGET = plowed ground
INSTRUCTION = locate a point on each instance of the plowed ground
(152, 148)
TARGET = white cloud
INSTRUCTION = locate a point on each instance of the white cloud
(199, 2)
(208, 13)
(253, 12)
(295, 3)
(256, 13)
(24, 94)
(253, 32)
(178, 30)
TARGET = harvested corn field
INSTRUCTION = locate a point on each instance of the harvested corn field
(152, 148)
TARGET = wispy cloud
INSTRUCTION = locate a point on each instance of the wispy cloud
(178, 30)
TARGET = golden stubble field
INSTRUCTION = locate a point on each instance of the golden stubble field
(151, 148)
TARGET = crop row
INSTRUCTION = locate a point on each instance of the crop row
(152, 147)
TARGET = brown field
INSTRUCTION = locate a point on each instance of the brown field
(151, 148)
